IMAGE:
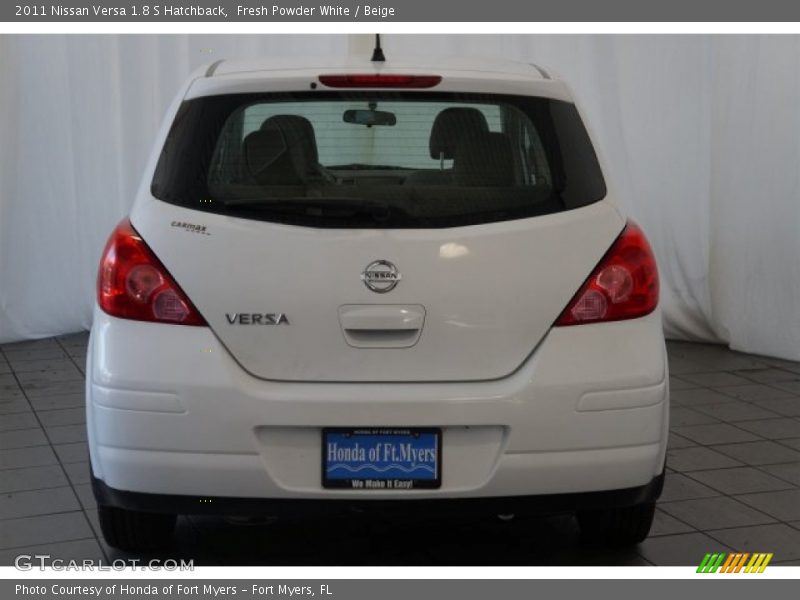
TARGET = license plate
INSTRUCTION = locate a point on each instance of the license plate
(382, 458)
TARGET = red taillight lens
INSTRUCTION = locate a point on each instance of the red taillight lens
(623, 286)
(380, 81)
(133, 284)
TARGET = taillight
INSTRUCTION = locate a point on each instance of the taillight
(623, 286)
(372, 80)
(133, 284)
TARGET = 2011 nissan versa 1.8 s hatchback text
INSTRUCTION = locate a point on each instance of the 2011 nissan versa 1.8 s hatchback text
(383, 286)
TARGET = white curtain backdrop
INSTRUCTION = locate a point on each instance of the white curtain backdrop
(701, 135)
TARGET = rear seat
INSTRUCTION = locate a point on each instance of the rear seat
(449, 127)
(484, 159)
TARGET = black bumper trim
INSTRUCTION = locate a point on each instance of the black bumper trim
(300, 507)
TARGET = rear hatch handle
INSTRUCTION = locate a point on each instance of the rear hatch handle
(381, 325)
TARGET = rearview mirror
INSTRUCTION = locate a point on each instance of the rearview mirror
(369, 117)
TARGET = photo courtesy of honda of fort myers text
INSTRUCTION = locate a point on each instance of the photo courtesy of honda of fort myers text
(345, 306)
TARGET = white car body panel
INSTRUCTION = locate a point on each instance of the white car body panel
(471, 332)
(197, 424)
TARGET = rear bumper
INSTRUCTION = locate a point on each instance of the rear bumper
(300, 507)
(170, 413)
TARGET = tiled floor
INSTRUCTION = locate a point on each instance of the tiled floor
(733, 481)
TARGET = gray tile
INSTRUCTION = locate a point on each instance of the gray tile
(682, 415)
(755, 392)
(780, 539)
(676, 383)
(729, 361)
(714, 513)
(23, 420)
(681, 487)
(792, 443)
(732, 412)
(698, 397)
(789, 407)
(13, 406)
(16, 356)
(86, 496)
(22, 438)
(19, 458)
(17, 404)
(37, 502)
(33, 380)
(57, 402)
(781, 363)
(8, 385)
(31, 478)
(698, 459)
(787, 386)
(715, 379)
(65, 551)
(664, 524)
(719, 433)
(78, 472)
(94, 521)
(80, 338)
(740, 480)
(9, 388)
(43, 390)
(64, 434)
(783, 505)
(39, 344)
(773, 429)
(45, 529)
(686, 549)
(53, 364)
(70, 453)
(65, 416)
(769, 375)
(760, 453)
(788, 472)
(677, 441)
(78, 355)
(682, 366)
(680, 347)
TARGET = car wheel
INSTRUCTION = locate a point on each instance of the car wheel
(135, 531)
(624, 526)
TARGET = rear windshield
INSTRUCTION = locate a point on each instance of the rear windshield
(378, 160)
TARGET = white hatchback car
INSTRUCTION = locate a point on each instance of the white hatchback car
(399, 286)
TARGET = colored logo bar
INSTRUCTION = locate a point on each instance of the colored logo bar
(737, 562)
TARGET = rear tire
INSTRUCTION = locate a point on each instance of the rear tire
(135, 531)
(624, 526)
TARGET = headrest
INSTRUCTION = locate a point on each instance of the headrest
(300, 139)
(450, 125)
(484, 159)
(267, 158)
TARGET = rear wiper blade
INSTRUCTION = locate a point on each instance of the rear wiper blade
(319, 207)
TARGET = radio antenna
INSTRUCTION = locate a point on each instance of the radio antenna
(377, 53)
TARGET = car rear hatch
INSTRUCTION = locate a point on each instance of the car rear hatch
(364, 237)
